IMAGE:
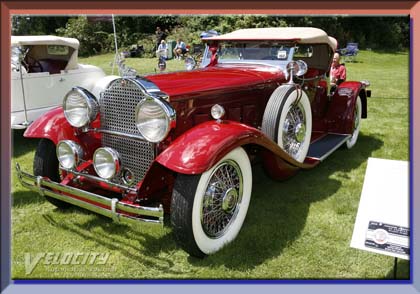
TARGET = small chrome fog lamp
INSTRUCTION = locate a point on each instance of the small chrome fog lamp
(128, 176)
(217, 111)
(107, 162)
(69, 153)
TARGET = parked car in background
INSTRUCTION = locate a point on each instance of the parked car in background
(44, 69)
(181, 143)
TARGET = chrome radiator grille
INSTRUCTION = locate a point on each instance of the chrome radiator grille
(118, 105)
(117, 111)
(135, 155)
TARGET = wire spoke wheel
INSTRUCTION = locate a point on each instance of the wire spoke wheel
(222, 199)
(208, 210)
(294, 130)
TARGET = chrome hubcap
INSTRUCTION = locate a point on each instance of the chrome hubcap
(300, 132)
(222, 199)
(294, 130)
(230, 200)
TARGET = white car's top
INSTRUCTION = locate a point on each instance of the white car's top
(50, 40)
(306, 35)
(44, 40)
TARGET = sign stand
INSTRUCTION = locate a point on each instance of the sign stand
(395, 267)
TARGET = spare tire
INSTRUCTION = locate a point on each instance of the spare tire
(287, 120)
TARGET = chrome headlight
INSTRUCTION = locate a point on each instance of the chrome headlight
(217, 111)
(80, 107)
(107, 162)
(154, 119)
(69, 153)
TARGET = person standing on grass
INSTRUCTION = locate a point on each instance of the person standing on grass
(337, 72)
(160, 35)
(180, 49)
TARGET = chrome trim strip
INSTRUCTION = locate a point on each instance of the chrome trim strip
(55, 190)
(116, 133)
(99, 180)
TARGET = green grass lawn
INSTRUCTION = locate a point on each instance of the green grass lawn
(297, 229)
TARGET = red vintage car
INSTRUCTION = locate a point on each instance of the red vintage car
(137, 148)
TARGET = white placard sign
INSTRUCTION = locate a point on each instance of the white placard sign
(382, 222)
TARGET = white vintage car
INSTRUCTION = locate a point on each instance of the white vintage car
(44, 69)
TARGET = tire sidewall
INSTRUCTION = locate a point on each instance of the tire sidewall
(304, 102)
(209, 245)
(353, 139)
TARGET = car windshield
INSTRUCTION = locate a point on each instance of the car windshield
(275, 53)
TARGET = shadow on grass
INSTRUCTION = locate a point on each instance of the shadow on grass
(146, 249)
(346, 62)
(22, 145)
(394, 52)
(23, 198)
(276, 218)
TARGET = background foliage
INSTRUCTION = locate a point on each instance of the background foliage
(96, 35)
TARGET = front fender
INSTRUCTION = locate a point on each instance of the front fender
(53, 126)
(198, 149)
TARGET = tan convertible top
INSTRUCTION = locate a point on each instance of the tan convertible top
(305, 35)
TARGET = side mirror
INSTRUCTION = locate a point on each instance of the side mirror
(190, 63)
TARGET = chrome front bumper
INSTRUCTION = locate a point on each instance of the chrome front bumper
(115, 209)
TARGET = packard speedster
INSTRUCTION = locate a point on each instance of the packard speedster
(139, 148)
(44, 69)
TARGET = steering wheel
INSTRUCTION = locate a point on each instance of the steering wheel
(33, 65)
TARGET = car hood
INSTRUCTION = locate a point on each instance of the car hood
(179, 84)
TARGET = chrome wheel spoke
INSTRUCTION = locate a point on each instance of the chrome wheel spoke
(222, 199)
(293, 130)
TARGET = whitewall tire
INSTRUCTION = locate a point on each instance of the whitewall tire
(356, 127)
(208, 210)
(287, 120)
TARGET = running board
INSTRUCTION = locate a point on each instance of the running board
(323, 147)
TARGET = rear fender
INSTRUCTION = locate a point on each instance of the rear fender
(201, 147)
(340, 114)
